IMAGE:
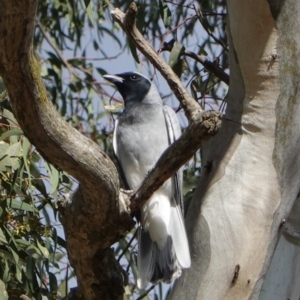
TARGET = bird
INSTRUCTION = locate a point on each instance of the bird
(143, 131)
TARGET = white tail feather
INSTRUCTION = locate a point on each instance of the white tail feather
(178, 234)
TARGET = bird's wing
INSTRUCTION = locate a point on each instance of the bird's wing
(116, 153)
(177, 227)
(174, 132)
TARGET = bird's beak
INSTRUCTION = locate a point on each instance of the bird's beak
(113, 78)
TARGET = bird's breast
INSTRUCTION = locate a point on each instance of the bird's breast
(141, 141)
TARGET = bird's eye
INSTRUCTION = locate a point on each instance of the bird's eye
(133, 77)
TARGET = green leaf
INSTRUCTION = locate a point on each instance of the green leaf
(37, 182)
(202, 51)
(5, 255)
(18, 204)
(4, 158)
(3, 95)
(3, 292)
(10, 117)
(18, 273)
(15, 256)
(133, 51)
(23, 243)
(6, 274)
(53, 283)
(35, 156)
(7, 134)
(89, 10)
(2, 236)
(26, 148)
(14, 152)
(54, 177)
(165, 14)
(43, 250)
(174, 60)
(176, 52)
(34, 252)
(31, 279)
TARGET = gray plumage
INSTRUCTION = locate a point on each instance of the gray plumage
(142, 132)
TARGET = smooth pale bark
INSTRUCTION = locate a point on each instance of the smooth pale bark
(283, 277)
(235, 218)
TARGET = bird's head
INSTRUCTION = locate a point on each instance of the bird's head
(131, 85)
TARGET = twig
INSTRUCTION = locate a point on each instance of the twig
(128, 245)
(146, 293)
(201, 19)
(209, 66)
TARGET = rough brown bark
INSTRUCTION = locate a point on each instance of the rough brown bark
(94, 219)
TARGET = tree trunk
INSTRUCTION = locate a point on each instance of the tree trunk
(95, 217)
(237, 214)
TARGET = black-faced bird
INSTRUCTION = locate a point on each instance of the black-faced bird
(142, 133)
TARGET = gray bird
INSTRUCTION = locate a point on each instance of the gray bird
(142, 133)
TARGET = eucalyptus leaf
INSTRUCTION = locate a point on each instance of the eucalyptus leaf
(11, 132)
(34, 252)
(175, 62)
(90, 12)
(3, 291)
(133, 50)
(10, 117)
(19, 204)
(2, 236)
(43, 250)
(52, 282)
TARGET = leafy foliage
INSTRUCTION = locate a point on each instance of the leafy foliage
(69, 40)
(32, 253)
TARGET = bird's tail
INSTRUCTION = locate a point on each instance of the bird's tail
(164, 264)
(156, 265)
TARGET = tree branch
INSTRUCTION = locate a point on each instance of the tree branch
(94, 218)
(207, 64)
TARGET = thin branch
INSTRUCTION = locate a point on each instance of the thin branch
(128, 245)
(94, 58)
(205, 27)
(209, 66)
(146, 293)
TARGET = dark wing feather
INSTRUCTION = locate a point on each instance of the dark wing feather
(174, 132)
